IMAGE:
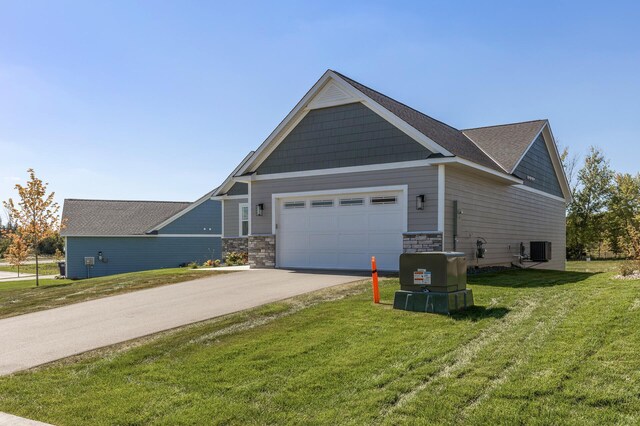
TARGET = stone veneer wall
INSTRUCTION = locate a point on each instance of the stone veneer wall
(235, 244)
(262, 251)
(416, 242)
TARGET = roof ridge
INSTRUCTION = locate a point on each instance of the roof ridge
(505, 124)
(128, 201)
(397, 101)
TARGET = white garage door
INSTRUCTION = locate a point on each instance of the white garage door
(341, 231)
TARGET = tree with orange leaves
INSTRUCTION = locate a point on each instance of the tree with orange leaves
(17, 252)
(35, 215)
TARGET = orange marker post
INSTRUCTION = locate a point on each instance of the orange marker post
(374, 279)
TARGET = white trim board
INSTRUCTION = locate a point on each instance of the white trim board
(441, 198)
(229, 197)
(240, 206)
(537, 191)
(383, 166)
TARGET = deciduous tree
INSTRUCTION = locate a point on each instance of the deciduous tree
(35, 215)
(17, 252)
(586, 221)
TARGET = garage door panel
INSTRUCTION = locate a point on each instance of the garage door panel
(384, 241)
(354, 261)
(384, 221)
(351, 221)
(319, 241)
(297, 241)
(341, 237)
(323, 221)
(353, 242)
(295, 219)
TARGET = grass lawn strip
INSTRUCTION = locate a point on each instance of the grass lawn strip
(541, 348)
(44, 269)
(21, 297)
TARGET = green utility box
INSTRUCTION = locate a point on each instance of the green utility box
(433, 282)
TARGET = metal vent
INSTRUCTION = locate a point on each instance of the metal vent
(540, 251)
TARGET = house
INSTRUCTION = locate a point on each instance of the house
(351, 173)
(124, 236)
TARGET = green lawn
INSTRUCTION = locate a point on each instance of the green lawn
(44, 268)
(21, 297)
(541, 347)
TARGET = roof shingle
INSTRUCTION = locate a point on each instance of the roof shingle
(450, 138)
(506, 143)
(115, 217)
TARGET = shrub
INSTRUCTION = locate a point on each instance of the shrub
(193, 265)
(208, 263)
(629, 267)
(216, 263)
(236, 258)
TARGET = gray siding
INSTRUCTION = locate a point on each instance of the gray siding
(341, 136)
(421, 180)
(130, 254)
(505, 216)
(232, 217)
(204, 219)
(238, 188)
(537, 164)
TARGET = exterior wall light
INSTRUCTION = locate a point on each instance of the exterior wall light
(420, 202)
(259, 209)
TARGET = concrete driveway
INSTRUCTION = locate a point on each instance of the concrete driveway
(33, 339)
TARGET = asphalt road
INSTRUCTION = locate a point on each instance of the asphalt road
(41, 337)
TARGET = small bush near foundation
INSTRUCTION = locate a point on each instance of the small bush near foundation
(192, 265)
(236, 258)
(629, 267)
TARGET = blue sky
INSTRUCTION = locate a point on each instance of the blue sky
(160, 100)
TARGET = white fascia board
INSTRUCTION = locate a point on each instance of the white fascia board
(230, 180)
(462, 161)
(229, 197)
(284, 123)
(396, 121)
(552, 147)
(301, 109)
(557, 164)
(340, 170)
(180, 213)
(537, 191)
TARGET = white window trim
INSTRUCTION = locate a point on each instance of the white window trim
(441, 197)
(240, 207)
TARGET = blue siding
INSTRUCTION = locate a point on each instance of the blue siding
(130, 254)
(204, 219)
(537, 164)
(341, 136)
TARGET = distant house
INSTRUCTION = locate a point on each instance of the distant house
(127, 236)
(351, 173)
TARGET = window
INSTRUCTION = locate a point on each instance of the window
(294, 205)
(352, 201)
(244, 219)
(322, 203)
(383, 200)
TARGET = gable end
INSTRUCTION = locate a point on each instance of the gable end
(536, 169)
(341, 136)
